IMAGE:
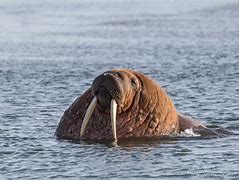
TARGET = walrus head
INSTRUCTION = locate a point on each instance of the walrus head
(114, 92)
(118, 85)
(126, 103)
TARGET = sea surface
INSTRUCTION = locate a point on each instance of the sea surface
(51, 50)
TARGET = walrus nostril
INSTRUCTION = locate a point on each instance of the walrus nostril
(109, 73)
(116, 75)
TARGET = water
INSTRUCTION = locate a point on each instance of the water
(50, 51)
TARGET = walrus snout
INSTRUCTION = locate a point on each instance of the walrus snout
(106, 90)
(103, 98)
(107, 85)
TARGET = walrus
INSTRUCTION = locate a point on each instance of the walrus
(123, 103)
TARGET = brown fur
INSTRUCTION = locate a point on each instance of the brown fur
(146, 111)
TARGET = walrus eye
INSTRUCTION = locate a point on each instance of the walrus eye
(133, 83)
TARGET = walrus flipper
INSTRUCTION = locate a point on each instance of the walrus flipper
(186, 122)
(70, 123)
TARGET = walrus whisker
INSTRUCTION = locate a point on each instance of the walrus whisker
(88, 114)
(114, 93)
(113, 109)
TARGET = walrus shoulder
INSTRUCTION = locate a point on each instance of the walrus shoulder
(71, 120)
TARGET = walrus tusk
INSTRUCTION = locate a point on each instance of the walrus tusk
(113, 109)
(88, 114)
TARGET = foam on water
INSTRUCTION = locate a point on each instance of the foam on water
(188, 133)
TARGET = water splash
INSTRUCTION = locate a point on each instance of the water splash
(189, 133)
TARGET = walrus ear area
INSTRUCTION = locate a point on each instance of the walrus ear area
(133, 82)
(148, 89)
(145, 82)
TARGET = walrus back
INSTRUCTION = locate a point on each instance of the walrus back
(162, 119)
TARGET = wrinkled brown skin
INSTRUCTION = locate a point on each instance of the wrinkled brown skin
(144, 109)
